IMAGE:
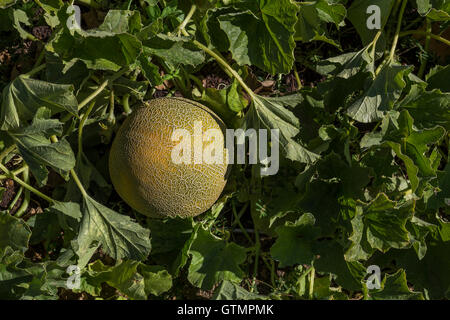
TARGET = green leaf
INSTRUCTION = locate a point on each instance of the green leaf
(14, 233)
(438, 10)
(347, 65)
(271, 113)
(132, 278)
(224, 102)
(331, 260)
(214, 260)
(232, 291)
(57, 73)
(418, 232)
(20, 16)
(295, 241)
(122, 21)
(123, 276)
(156, 279)
(430, 273)
(358, 17)
(352, 178)
(51, 8)
(23, 97)
(264, 37)
(312, 19)
(118, 235)
(440, 199)
(418, 103)
(381, 94)
(381, 225)
(395, 287)
(174, 50)
(34, 145)
(6, 3)
(437, 78)
(409, 144)
(149, 70)
(171, 241)
(110, 47)
(22, 279)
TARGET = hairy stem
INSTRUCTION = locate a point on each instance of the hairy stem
(397, 31)
(186, 20)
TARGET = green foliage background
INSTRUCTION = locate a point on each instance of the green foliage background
(364, 178)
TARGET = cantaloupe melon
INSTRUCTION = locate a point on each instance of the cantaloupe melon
(142, 169)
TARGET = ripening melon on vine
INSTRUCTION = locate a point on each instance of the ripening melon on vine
(145, 172)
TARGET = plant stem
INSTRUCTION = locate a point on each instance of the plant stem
(111, 118)
(312, 276)
(272, 272)
(186, 20)
(424, 59)
(90, 3)
(297, 78)
(397, 32)
(73, 173)
(101, 87)
(78, 183)
(374, 44)
(126, 103)
(223, 63)
(238, 221)
(80, 129)
(197, 81)
(395, 8)
(256, 183)
(7, 151)
(26, 199)
(34, 71)
(241, 213)
(16, 198)
(40, 58)
(15, 172)
(424, 33)
(25, 185)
